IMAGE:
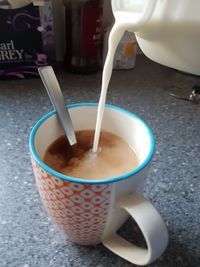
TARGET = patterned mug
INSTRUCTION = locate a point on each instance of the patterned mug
(91, 211)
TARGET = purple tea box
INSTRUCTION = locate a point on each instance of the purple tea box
(26, 40)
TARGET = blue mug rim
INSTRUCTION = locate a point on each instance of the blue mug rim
(81, 180)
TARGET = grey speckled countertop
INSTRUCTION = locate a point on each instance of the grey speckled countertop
(27, 236)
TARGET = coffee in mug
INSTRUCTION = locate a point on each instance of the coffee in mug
(114, 157)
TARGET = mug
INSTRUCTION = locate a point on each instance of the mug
(90, 212)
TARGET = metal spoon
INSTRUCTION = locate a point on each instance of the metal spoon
(192, 94)
(55, 94)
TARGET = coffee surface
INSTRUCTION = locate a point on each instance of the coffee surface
(114, 156)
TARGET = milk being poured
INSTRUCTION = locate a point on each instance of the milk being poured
(123, 19)
(114, 39)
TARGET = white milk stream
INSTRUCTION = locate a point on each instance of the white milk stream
(114, 39)
(122, 23)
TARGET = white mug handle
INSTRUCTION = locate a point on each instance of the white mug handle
(151, 225)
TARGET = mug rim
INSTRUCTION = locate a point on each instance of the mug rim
(87, 181)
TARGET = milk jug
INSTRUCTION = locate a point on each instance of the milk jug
(167, 31)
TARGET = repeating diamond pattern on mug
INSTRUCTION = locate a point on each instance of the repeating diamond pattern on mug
(76, 187)
(98, 187)
(68, 202)
(87, 193)
(58, 193)
(66, 190)
(80, 210)
(50, 183)
(56, 181)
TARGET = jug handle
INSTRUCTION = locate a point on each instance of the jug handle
(145, 17)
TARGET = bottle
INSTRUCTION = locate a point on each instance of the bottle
(83, 35)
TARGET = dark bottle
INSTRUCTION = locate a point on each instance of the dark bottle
(83, 35)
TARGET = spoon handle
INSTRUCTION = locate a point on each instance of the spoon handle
(53, 89)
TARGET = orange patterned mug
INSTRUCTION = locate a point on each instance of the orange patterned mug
(91, 211)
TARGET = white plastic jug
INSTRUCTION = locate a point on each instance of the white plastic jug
(167, 31)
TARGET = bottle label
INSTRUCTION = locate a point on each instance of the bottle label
(91, 30)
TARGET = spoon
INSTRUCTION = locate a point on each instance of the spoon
(55, 94)
(192, 94)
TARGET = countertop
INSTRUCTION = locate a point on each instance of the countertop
(29, 239)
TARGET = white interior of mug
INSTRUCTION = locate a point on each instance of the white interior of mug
(116, 120)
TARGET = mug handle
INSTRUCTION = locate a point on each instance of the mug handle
(151, 225)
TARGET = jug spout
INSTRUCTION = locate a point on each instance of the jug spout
(133, 15)
(168, 32)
